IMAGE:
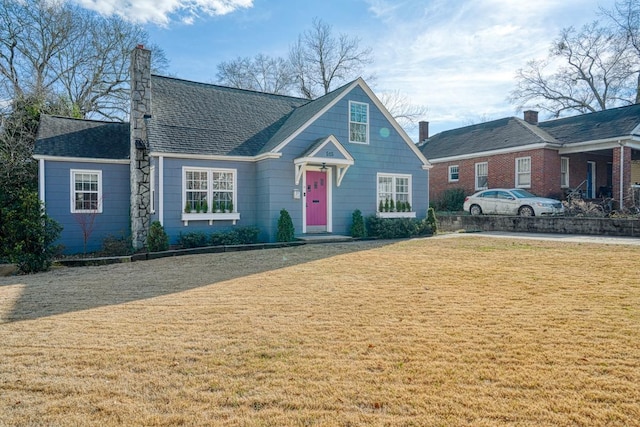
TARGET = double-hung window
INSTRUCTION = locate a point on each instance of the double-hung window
(523, 172)
(86, 191)
(210, 192)
(394, 194)
(482, 173)
(358, 122)
(564, 171)
(454, 173)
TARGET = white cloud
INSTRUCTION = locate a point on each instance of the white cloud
(162, 11)
(459, 57)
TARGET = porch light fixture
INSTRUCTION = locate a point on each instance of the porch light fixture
(323, 167)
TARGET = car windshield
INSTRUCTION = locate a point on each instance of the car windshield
(522, 194)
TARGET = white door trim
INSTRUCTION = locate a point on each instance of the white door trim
(329, 187)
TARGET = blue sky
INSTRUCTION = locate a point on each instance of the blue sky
(458, 58)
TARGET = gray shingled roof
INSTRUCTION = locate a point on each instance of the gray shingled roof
(494, 135)
(198, 118)
(513, 132)
(301, 115)
(612, 123)
(66, 137)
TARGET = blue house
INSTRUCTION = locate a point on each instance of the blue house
(201, 157)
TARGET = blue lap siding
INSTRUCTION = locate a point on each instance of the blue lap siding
(112, 221)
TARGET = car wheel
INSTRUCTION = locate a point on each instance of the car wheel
(526, 211)
(475, 210)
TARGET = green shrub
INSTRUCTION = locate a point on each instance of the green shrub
(395, 228)
(116, 246)
(248, 235)
(431, 220)
(157, 240)
(194, 239)
(237, 236)
(224, 238)
(286, 231)
(357, 224)
(450, 200)
(27, 233)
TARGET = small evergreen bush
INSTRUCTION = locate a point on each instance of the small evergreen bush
(248, 235)
(116, 246)
(432, 221)
(286, 231)
(157, 240)
(357, 224)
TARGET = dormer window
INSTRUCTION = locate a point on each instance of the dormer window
(358, 122)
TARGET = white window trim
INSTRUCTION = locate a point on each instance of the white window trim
(152, 189)
(449, 173)
(564, 184)
(475, 183)
(366, 123)
(411, 214)
(518, 173)
(209, 216)
(72, 186)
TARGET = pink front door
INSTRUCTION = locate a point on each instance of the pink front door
(316, 198)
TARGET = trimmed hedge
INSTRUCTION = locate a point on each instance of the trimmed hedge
(237, 236)
(396, 228)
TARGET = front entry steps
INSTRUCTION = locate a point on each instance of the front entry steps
(323, 238)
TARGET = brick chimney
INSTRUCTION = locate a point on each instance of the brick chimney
(531, 117)
(423, 131)
(140, 75)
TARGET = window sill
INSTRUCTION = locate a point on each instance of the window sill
(211, 217)
(396, 214)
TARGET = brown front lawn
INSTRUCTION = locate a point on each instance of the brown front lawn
(460, 331)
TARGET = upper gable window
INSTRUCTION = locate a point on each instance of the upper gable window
(358, 122)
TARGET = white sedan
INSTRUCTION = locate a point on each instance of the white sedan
(514, 201)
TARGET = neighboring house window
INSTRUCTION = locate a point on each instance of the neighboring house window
(209, 190)
(482, 172)
(86, 191)
(564, 171)
(453, 173)
(152, 187)
(523, 172)
(394, 187)
(358, 122)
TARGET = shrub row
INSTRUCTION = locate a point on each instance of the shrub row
(237, 236)
(396, 228)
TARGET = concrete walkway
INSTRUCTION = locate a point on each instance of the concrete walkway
(575, 238)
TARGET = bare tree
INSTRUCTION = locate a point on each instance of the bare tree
(262, 73)
(587, 70)
(50, 49)
(402, 109)
(321, 61)
(625, 17)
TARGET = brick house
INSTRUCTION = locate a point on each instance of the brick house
(596, 154)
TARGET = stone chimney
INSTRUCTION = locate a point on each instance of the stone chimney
(531, 117)
(140, 75)
(423, 131)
